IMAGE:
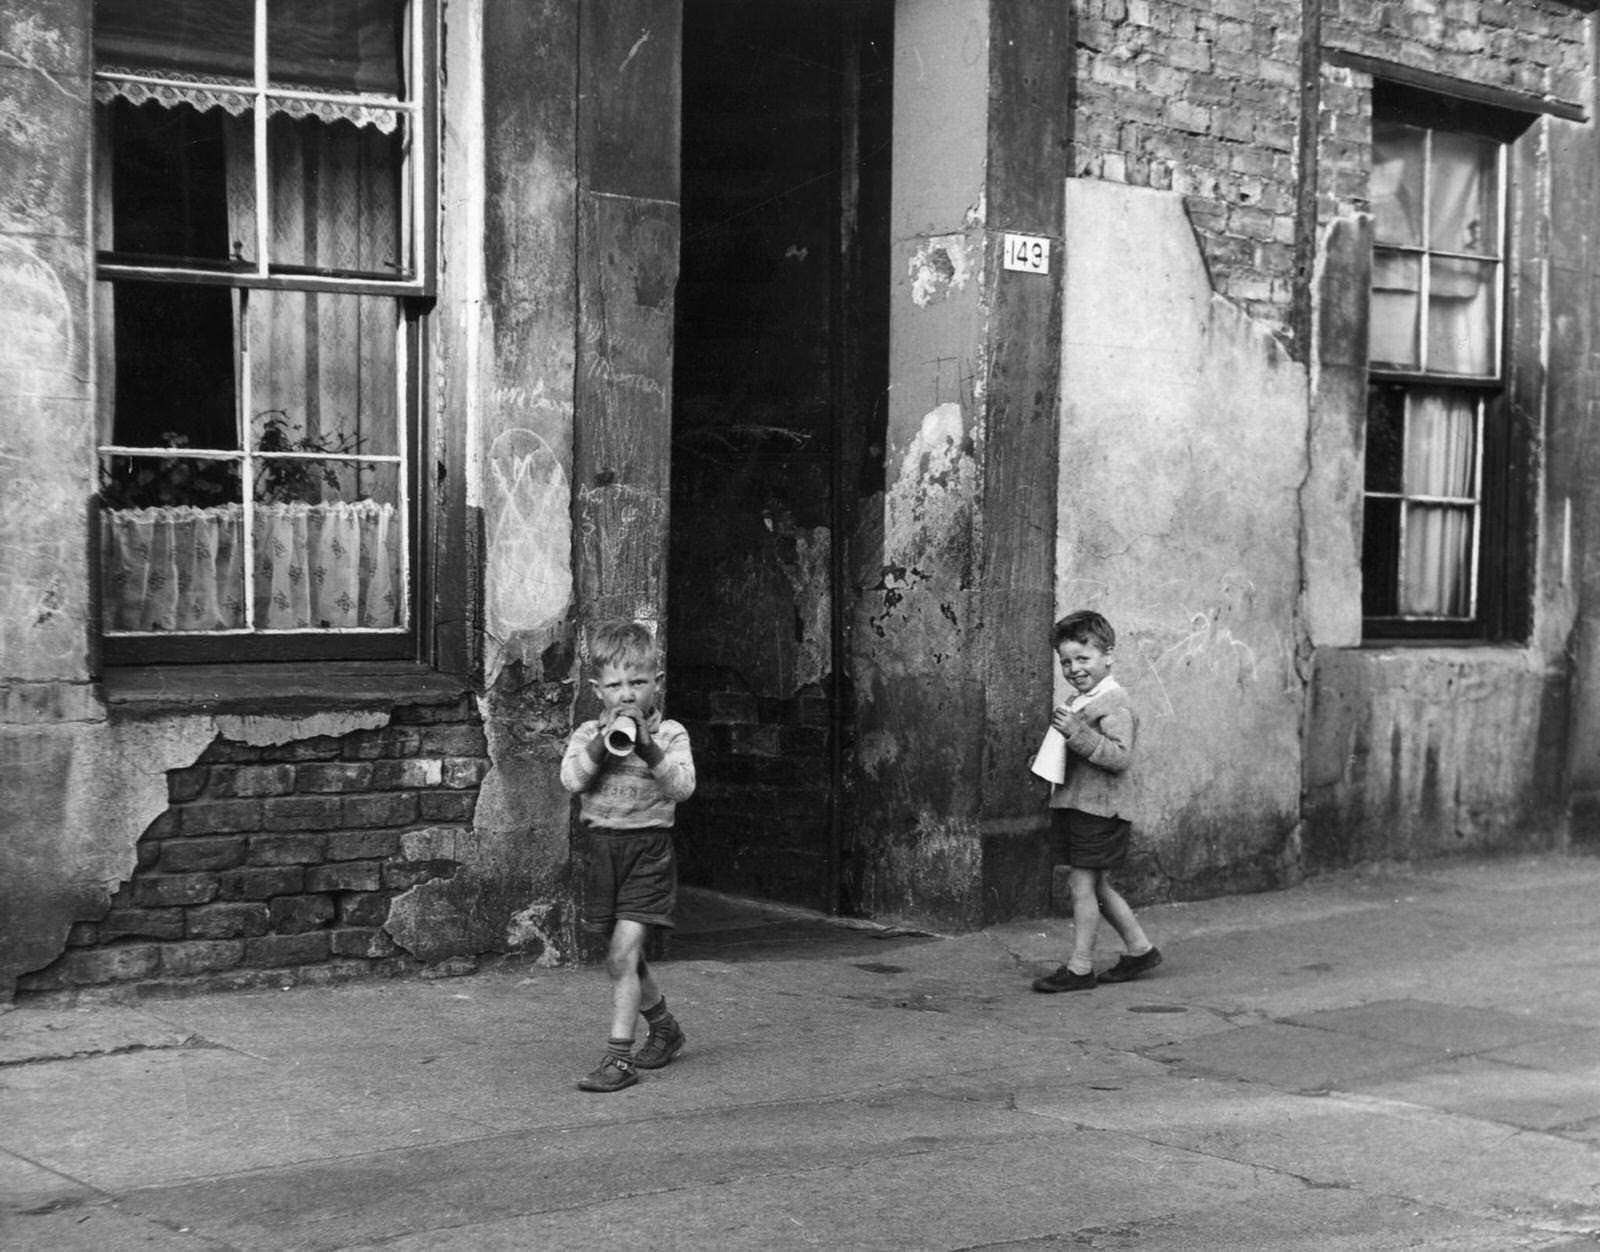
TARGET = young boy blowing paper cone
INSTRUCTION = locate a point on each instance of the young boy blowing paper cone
(630, 768)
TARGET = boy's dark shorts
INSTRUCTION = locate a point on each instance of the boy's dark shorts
(632, 875)
(1087, 840)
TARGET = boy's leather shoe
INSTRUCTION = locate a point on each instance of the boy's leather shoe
(1132, 966)
(659, 1048)
(612, 1074)
(1064, 980)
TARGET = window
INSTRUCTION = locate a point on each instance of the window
(1437, 415)
(263, 221)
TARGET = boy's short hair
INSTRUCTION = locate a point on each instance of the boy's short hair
(1084, 626)
(622, 642)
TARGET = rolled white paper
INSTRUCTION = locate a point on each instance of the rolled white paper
(620, 737)
(1051, 761)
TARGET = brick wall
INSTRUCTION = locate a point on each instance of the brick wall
(279, 863)
(1204, 100)
(1539, 48)
(758, 822)
(1536, 49)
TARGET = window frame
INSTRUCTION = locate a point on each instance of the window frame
(413, 298)
(1498, 592)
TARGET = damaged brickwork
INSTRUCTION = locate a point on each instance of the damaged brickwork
(282, 862)
(1205, 103)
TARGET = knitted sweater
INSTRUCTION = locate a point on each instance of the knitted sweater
(1099, 754)
(623, 793)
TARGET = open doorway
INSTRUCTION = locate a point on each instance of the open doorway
(780, 368)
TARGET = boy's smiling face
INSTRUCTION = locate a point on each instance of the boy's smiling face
(627, 685)
(1083, 664)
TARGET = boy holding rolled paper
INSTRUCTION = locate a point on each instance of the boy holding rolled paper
(629, 767)
(1085, 757)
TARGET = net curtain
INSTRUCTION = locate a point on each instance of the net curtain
(317, 567)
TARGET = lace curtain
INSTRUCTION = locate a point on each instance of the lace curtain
(317, 566)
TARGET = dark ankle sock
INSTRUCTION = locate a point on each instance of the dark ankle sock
(619, 1047)
(656, 1016)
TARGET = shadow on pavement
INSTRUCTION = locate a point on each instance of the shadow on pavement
(716, 927)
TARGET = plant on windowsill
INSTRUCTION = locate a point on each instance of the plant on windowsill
(166, 482)
(129, 482)
(300, 482)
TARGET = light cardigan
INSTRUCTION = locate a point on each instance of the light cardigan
(1099, 752)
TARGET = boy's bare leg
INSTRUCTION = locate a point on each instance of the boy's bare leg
(1085, 918)
(1116, 911)
(623, 959)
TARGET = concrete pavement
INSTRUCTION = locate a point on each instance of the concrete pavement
(1406, 1058)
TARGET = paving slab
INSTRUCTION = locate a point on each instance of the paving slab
(55, 1034)
(101, 1228)
(1456, 1029)
(955, 1199)
(130, 1120)
(28, 1186)
(1512, 1095)
(1362, 1142)
(1296, 1058)
(1329, 1220)
(327, 1204)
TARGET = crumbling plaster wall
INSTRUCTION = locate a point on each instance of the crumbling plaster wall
(47, 715)
(505, 399)
(920, 702)
(1183, 452)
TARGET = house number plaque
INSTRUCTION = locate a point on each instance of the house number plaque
(1028, 253)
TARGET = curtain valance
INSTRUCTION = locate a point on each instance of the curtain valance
(231, 96)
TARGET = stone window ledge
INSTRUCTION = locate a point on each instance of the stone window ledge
(284, 689)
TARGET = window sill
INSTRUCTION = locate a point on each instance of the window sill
(1462, 647)
(281, 689)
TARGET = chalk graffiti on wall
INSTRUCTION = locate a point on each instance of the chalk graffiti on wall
(38, 346)
(602, 372)
(42, 485)
(528, 579)
(620, 531)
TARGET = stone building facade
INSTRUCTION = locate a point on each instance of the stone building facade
(847, 343)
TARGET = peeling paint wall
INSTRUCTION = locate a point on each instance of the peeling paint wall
(46, 403)
(79, 795)
(1433, 752)
(919, 703)
(1182, 456)
(955, 571)
(509, 368)
(50, 724)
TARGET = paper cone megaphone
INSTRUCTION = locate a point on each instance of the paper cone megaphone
(620, 736)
